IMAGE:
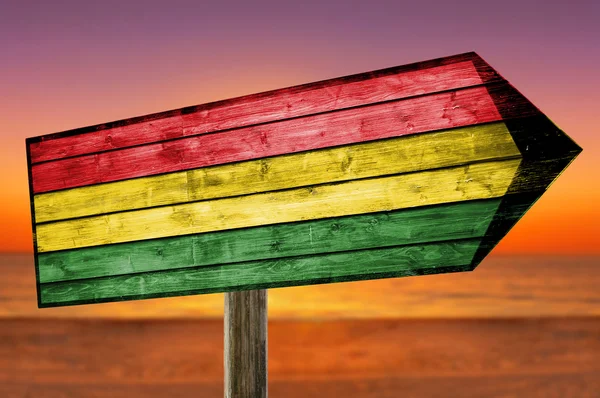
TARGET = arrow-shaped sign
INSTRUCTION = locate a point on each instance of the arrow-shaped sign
(412, 170)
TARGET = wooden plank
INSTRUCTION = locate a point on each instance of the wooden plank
(106, 139)
(337, 97)
(474, 181)
(548, 286)
(392, 83)
(385, 120)
(245, 359)
(402, 227)
(398, 155)
(411, 260)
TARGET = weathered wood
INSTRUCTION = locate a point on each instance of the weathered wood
(246, 344)
(398, 155)
(365, 231)
(420, 78)
(385, 120)
(547, 151)
(473, 181)
(192, 196)
(488, 292)
(452, 256)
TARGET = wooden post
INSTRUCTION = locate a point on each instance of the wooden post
(246, 344)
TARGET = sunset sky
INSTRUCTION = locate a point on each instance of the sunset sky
(68, 64)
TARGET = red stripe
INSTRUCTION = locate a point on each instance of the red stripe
(397, 118)
(267, 107)
(103, 140)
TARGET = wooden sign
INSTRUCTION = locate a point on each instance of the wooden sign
(413, 170)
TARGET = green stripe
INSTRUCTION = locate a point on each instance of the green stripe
(324, 268)
(402, 227)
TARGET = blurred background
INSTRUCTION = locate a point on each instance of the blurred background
(525, 323)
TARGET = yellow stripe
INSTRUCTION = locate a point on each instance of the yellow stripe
(399, 155)
(475, 181)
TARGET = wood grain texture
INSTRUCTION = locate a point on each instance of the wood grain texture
(502, 286)
(245, 358)
(398, 155)
(215, 171)
(474, 181)
(402, 227)
(452, 256)
(421, 78)
(385, 120)
(547, 151)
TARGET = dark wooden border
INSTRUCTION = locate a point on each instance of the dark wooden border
(547, 151)
(33, 227)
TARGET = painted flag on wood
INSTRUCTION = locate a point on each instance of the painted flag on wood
(412, 170)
